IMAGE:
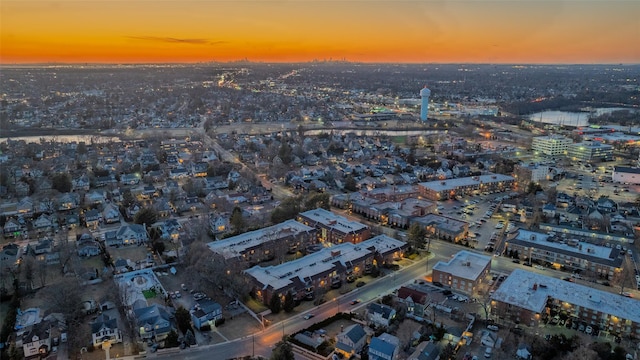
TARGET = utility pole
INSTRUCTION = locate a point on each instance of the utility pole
(253, 353)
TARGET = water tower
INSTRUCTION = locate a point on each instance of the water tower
(424, 106)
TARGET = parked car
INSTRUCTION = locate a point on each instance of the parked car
(493, 327)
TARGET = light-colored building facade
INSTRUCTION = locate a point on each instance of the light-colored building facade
(464, 272)
(528, 173)
(551, 145)
(626, 175)
(530, 298)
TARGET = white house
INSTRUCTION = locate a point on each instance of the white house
(105, 329)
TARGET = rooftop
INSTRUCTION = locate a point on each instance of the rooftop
(465, 265)
(236, 245)
(329, 219)
(451, 184)
(441, 222)
(323, 261)
(581, 249)
(519, 290)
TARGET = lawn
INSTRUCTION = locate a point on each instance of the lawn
(255, 306)
(149, 294)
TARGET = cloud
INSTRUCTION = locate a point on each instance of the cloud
(176, 40)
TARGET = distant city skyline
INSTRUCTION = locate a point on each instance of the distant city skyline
(173, 31)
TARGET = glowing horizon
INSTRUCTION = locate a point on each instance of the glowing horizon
(197, 31)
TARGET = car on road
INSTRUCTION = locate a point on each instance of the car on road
(354, 302)
(308, 316)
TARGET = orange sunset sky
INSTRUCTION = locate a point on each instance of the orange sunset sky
(416, 31)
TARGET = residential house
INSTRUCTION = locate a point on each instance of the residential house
(169, 228)
(384, 347)
(415, 300)
(153, 322)
(94, 198)
(219, 223)
(25, 206)
(36, 341)
(110, 214)
(12, 227)
(606, 205)
(92, 218)
(105, 180)
(351, 341)
(81, 183)
(426, 350)
(380, 314)
(121, 266)
(130, 179)
(163, 207)
(43, 246)
(549, 210)
(206, 310)
(9, 255)
(87, 246)
(68, 201)
(44, 223)
(103, 329)
(126, 235)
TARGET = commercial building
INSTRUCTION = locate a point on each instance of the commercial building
(450, 188)
(464, 272)
(626, 175)
(323, 269)
(443, 227)
(264, 244)
(334, 228)
(551, 145)
(590, 151)
(530, 298)
(568, 252)
(528, 173)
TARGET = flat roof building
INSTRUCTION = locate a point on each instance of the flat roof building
(334, 228)
(626, 175)
(530, 298)
(551, 145)
(463, 272)
(570, 253)
(589, 151)
(449, 188)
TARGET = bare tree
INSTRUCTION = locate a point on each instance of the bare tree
(582, 353)
(65, 298)
(42, 273)
(28, 270)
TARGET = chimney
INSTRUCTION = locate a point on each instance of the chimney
(535, 286)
